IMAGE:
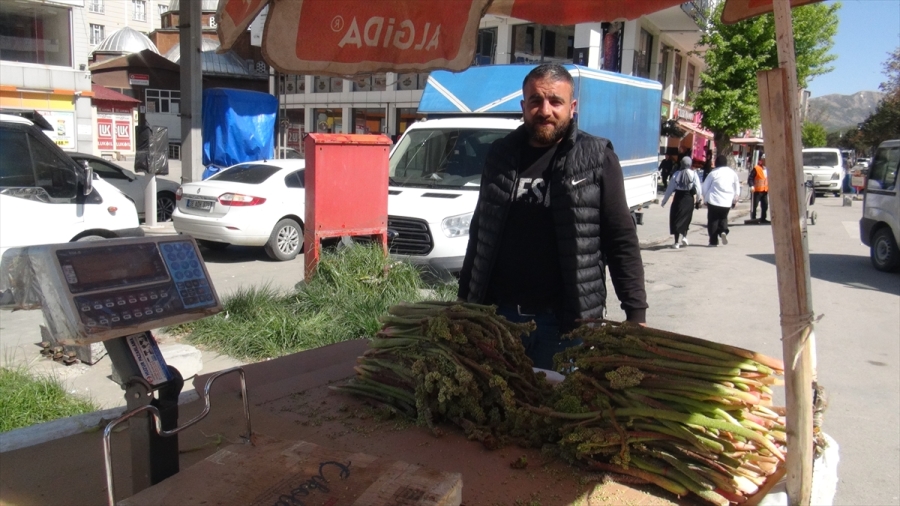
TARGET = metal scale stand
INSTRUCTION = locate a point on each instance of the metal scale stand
(116, 291)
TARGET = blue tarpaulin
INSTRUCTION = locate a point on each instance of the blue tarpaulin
(238, 126)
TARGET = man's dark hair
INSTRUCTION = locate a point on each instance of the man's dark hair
(721, 160)
(552, 71)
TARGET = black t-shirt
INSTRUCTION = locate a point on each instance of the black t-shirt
(527, 271)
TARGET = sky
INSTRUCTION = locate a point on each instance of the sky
(867, 31)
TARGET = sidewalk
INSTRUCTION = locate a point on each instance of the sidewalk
(655, 230)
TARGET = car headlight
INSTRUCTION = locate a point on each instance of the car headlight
(835, 176)
(456, 226)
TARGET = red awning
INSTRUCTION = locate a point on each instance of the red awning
(107, 95)
(347, 37)
(746, 140)
(695, 128)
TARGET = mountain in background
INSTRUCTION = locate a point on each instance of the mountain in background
(839, 112)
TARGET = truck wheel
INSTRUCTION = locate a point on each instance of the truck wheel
(165, 206)
(286, 240)
(89, 238)
(884, 252)
(212, 245)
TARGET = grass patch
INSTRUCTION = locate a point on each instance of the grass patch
(27, 400)
(352, 287)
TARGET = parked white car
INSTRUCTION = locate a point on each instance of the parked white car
(46, 198)
(249, 204)
(133, 185)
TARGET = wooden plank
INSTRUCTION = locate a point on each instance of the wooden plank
(792, 268)
(275, 472)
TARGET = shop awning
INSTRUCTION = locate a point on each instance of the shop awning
(695, 128)
(107, 95)
(746, 140)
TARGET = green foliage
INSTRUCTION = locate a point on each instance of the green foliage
(26, 400)
(351, 289)
(813, 135)
(728, 96)
(884, 123)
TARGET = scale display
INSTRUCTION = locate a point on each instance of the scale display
(99, 290)
(118, 286)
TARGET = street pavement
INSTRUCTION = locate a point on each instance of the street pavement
(727, 294)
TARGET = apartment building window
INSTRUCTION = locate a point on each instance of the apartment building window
(139, 8)
(369, 121)
(676, 79)
(174, 151)
(642, 55)
(411, 81)
(486, 46)
(662, 75)
(163, 8)
(327, 120)
(163, 101)
(29, 34)
(548, 43)
(97, 34)
(96, 6)
(689, 82)
(367, 82)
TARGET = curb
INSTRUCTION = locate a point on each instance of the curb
(65, 427)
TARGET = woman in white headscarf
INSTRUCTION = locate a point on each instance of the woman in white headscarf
(686, 186)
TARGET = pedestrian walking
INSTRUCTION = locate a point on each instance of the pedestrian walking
(758, 182)
(550, 217)
(686, 186)
(720, 191)
(667, 166)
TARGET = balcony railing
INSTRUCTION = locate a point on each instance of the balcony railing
(698, 10)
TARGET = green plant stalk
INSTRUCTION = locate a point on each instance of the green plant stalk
(683, 467)
(714, 390)
(684, 480)
(733, 350)
(667, 484)
(663, 365)
(707, 407)
(744, 363)
(678, 431)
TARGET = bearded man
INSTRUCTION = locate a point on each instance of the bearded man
(551, 216)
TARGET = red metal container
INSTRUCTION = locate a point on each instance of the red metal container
(346, 190)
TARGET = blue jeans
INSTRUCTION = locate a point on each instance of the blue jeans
(544, 342)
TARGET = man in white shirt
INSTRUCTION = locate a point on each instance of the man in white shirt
(720, 192)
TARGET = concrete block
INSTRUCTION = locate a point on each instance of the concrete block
(187, 359)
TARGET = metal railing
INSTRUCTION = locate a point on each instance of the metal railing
(698, 10)
(157, 424)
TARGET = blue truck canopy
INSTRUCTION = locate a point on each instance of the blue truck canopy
(238, 126)
(623, 109)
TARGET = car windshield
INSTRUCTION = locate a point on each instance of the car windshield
(442, 157)
(246, 173)
(820, 158)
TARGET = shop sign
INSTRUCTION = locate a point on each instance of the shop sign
(684, 112)
(123, 134)
(105, 134)
(293, 139)
(63, 133)
(139, 79)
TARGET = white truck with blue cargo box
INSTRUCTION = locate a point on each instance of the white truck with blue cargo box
(436, 166)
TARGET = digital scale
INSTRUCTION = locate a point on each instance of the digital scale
(116, 291)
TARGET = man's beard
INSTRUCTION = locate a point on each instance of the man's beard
(547, 137)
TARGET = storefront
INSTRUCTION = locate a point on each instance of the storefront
(57, 108)
(115, 119)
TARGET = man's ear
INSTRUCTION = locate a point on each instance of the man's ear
(522, 104)
(574, 108)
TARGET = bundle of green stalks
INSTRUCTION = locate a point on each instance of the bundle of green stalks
(458, 362)
(686, 414)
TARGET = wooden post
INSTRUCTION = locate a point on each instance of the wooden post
(780, 122)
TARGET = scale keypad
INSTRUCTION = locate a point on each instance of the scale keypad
(187, 274)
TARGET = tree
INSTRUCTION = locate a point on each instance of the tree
(884, 123)
(813, 135)
(728, 96)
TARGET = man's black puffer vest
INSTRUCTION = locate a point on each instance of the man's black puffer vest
(576, 201)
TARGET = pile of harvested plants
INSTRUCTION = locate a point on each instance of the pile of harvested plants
(688, 415)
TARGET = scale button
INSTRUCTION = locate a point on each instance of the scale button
(148, 310)
(163, 294)
(188, 301)
(153, 296)
(159, 310)
(132, 300)
(91, 322)
(120, 301)
(85, 308)
(98, 305)
(143, 297)
(110, 304)
(138, 314)
(115, 318)
(126, 316)
(104, 321)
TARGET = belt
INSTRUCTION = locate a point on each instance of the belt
(524, 310)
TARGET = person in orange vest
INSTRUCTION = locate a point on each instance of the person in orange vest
(759, 188)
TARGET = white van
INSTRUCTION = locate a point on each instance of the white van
(46, 198)
(826, 169)
(879, 227)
